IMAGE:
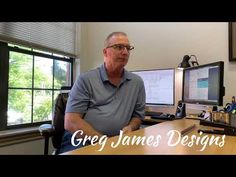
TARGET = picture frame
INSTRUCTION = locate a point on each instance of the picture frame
(232, 41)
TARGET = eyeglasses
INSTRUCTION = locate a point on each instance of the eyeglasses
(121, 47)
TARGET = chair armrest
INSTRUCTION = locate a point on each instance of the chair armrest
(46, 130)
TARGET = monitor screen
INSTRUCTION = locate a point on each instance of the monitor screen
(204, 84)
(159, 85)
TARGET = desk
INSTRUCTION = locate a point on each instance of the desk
(162, 129)
(149, 121)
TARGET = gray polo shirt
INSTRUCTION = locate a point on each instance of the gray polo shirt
(108, 108)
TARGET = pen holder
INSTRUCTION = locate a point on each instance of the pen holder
(222, 117)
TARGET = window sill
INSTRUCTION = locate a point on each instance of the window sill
(16, 136)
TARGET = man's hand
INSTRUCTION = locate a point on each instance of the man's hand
(127, 129)
(134, 124)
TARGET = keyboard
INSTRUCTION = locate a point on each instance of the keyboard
(164, 117)
(153, 113)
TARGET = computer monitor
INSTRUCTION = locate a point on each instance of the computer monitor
(204, 84)
(159, 86)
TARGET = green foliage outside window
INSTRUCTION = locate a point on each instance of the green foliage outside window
(20, 77)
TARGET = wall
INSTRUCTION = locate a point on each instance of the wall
(76, 69)
(35, 147)
(163, 45)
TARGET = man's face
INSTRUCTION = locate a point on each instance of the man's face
(118, 51)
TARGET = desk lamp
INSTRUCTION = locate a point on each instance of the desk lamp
(186, 62)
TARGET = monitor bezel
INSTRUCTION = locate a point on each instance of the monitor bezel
(161, 69)
(221, 90)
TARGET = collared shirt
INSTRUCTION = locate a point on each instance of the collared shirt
(108, 108)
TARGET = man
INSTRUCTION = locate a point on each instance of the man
(107, 99)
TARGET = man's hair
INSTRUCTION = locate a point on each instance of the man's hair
(106, 43)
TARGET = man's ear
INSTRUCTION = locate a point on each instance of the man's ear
(104, 52)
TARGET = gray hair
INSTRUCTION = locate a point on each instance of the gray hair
(106, 43)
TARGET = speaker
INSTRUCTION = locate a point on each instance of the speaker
(180, 110)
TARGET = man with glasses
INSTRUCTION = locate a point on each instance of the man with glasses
(107, 99)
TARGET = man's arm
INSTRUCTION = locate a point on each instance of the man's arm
(75, 121)
(138, 112)
(134, 124)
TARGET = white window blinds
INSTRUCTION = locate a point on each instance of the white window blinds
(52, 36)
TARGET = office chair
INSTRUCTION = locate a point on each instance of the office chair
(56, 129)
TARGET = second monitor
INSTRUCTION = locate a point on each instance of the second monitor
(159, 85)
(204, 84)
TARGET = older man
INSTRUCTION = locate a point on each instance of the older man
(107, 99)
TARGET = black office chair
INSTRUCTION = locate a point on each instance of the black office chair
(56, 129)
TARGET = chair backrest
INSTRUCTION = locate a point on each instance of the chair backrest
(58, 119)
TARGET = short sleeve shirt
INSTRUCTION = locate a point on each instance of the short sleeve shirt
(108, 108)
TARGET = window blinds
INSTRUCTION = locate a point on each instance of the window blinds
(56, 37)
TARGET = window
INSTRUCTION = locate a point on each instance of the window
(30, 82)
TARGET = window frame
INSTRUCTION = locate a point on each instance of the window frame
(4, 87)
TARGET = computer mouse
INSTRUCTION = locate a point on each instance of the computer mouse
(171, 116)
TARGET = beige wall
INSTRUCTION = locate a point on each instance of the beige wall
(162, 45)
